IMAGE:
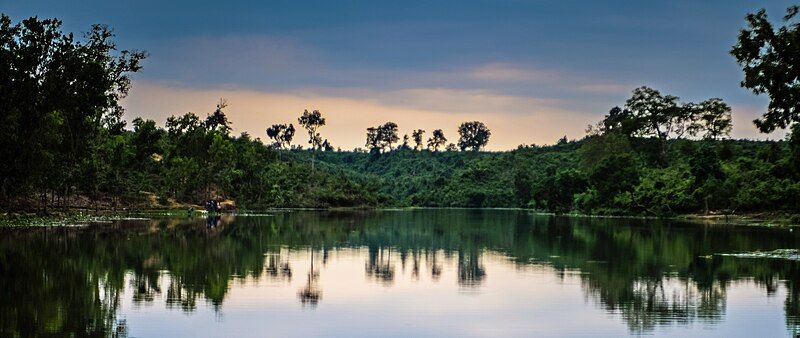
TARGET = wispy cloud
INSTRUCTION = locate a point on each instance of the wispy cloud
(271, 79)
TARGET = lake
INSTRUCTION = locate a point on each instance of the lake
(486, 273)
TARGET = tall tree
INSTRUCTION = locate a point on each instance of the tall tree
(437, 140)
(312, 121)
(474, 135)
(418, 136)
(769, 58)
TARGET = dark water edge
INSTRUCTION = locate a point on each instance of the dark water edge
(85, 216)
(613, 275)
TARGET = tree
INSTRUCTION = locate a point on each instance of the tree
(217, 121)
(281, 134)
(649, 113)
(145, 139)
(327, 145)
(387, 133)
(618, 120)
(405, 142)
(522, 187)
(474, 135)
(58, 96)
(382, 137)
(770, 59)
(312, 122)
(373, 139)
(794, 148)
(418, 136)
(610, 165)
(712, 118)
(437, 140)
(656, 115)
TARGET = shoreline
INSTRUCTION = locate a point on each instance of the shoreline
(75, 216)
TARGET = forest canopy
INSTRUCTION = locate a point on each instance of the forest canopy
(654, 154)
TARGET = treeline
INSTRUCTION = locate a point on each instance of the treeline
(63, 130)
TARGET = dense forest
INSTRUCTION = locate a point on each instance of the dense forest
(64, 131)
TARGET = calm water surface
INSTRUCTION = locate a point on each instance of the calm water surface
(397, 273)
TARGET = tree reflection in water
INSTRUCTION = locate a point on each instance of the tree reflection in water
(649, 273)
(311, 293)
(379, 265)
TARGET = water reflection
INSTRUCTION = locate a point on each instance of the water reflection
(649, 274)
(311, 293)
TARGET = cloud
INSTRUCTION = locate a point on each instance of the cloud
(272, 79)
(507, 72)
(266, 62)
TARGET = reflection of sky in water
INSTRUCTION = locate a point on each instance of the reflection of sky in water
(510, 300)
(399, 273)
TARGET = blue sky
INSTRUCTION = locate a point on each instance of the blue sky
(533, 70)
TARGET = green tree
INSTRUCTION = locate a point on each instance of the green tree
(610, 165)
(522, 188)
(474, 135)
(57, 96)
(769, 59)
(794, 149)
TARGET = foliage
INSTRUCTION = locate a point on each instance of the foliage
(382, 137)
(769, 59)
(474, 135)
(312, 122)
(58, 95)
(437, 140)
(281, 134)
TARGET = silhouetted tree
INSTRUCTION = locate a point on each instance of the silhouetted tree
(418, 136)
(437, 140)
(312, 122)
(373, 139)
(217, 121)
(281, 134)
(405, 144)
(382, 137)
(769, 58)
(474, 135)
(711, 118)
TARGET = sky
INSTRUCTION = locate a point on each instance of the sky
(533, 71)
